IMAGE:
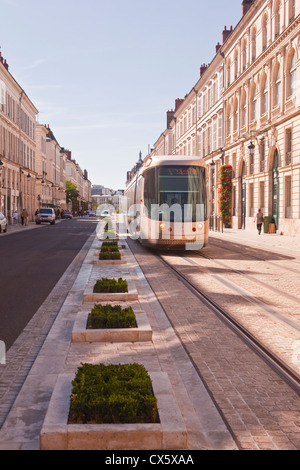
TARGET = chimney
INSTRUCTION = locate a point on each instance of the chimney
(170, 115)
(246, 4)
(226, 33)
(218, 46)
(178, 103)
(5, 64)
(202, 69)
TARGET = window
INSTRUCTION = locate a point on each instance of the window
(253, 103)
(251, 200)
(264, 100)
(243, 110)
(291, 91)
(288, 146)
(253, 44)
(288, 197)
(262, 151)
(277, 19)
(277, 88)
(262, 195)
(265, 33)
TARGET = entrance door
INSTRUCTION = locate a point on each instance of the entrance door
(275, 189)
(243, 197)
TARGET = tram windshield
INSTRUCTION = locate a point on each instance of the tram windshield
(181, 188)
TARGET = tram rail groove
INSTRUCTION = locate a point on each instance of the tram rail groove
(283, 370)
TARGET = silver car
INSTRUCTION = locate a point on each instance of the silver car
(45, 215)
(3, 223)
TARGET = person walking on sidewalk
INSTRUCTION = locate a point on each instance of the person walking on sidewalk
(25, 215)
(15, 217)
(259, 220)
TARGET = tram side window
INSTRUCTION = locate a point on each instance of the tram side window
(149, 189)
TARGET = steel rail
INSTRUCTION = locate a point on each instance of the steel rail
(282, 369)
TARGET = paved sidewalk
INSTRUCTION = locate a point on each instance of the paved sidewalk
(265, 240)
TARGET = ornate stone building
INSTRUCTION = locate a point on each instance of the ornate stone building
(245, 111)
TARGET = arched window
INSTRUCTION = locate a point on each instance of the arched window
(277, 85)
(264, 95)
(253, 103)
(235, 116)
(277, 18)
(253, 44)
(291, 82)
(244, 55)
(291, 10)
(243, 109)
(265, 32)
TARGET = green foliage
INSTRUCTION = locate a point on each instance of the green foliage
(225, 193)
(108, 255)
(112, 394)
(108, 316)
(71, 191)
(110, 285)
(109, 244)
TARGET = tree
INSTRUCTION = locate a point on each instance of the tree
(71, 192)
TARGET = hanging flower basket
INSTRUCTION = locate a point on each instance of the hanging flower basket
(225, 194)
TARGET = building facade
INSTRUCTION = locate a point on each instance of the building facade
(33, 166)
(244, 111)
(17, 145)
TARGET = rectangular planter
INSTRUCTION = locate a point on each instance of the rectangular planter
(81, 333)
(90, 296)
(57, 434)
(106, 262)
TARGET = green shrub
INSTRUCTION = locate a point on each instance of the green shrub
(109, 255)
(110, 285)
(112, 394)
(108, 316)
(109, 244)
(110, 249)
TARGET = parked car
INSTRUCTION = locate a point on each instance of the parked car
(45, 215)
(67, 215)
(92, 213)
(3, 223)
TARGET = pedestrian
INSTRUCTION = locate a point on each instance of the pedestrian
(15, 217)
(259, 218)
(24, 216)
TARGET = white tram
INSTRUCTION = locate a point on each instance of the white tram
(167, 203)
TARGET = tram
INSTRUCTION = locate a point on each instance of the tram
(166, 203)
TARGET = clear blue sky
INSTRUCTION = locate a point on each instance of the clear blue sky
(103, 73)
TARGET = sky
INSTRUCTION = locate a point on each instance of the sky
(104, 73)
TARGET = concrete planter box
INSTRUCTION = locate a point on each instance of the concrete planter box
(106, 262)
(81, 333)
(90, 296)
(57, 434)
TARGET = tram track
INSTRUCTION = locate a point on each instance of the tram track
(290, 376)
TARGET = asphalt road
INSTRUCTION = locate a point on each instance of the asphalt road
(31, 263)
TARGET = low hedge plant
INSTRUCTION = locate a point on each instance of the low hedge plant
(109, 255)
(105, 285)
(103, 394)
(109, 244)
(108, 316)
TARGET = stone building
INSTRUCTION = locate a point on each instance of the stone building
(17, 146)
(244, 111)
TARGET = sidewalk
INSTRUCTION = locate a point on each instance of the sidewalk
(268, 241)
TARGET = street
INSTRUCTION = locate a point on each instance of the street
(32, 262)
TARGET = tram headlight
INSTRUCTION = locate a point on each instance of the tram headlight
(200, 226)
(162, 225)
